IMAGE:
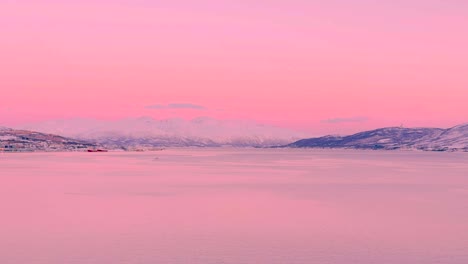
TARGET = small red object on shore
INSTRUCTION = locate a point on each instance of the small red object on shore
(97, 150)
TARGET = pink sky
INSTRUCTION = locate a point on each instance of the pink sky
(322, 66)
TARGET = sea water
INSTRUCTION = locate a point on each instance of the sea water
(234, 206)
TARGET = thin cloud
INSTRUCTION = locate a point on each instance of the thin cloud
(176, 106)
(338, 120)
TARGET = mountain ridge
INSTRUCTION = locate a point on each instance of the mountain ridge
(144, 132)
(390, 138)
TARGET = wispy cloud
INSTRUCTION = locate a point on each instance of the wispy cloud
(176, 106)
(337, 120)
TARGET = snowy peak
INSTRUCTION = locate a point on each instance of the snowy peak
(146, 131)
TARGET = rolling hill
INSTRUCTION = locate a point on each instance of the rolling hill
(24, 140)
(431, 139)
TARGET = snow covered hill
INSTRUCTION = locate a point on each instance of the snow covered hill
(25, 140)
(435, 139)
(149, 132)
(452, 138)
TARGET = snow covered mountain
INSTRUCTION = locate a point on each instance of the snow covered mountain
(146, 132)
(435, 139)
(149, 132)
(453, 138)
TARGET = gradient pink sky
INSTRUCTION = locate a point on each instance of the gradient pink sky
(323, 66)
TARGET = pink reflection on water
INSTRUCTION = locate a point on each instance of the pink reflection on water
(234, 206)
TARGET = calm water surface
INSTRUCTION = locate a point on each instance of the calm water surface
(234, 206)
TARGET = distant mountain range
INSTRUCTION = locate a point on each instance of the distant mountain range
(146, 132)
(430, 139)
(24, 140)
